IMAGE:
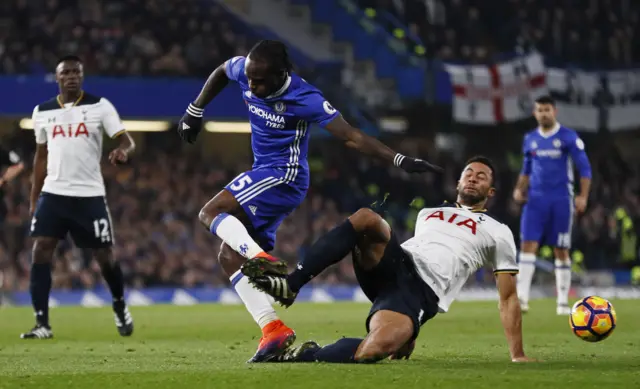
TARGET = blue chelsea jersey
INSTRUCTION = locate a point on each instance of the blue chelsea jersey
(549, 160)
(280, 122)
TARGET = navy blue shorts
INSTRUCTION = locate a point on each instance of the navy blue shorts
(86, 219)
(395, 285)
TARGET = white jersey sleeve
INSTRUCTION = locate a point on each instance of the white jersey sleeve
(111, 122)
(39, 129)
(504, 256)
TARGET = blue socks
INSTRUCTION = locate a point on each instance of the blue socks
(328, 250)
(40, 287)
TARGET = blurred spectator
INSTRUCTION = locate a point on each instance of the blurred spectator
(594, 33)
(118, 37)
(155, 201)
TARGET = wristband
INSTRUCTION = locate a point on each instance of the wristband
(194, 111)
(397, 160)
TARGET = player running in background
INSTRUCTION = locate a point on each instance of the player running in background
(545, 187)
(68, 193)
(408, 283)
(247, 213)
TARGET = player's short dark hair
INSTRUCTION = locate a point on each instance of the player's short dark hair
(485, 161)
(274, 53)
(546, 99)
(65, 58)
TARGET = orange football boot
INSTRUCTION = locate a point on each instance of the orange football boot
(276, 339)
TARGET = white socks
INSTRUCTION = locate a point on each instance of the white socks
(527, 268)
(234, 233)
(257, 302)
(563, 280)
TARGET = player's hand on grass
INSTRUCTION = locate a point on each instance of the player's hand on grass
(581, 203)
(415, 165)
(118, 156)
(519, 197)
(523, 359)
(190, 124)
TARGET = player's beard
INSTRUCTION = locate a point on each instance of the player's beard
(471, 199)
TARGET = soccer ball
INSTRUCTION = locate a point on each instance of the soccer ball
(593, 319)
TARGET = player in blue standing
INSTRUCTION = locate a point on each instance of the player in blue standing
(546, 188)
(247, 213)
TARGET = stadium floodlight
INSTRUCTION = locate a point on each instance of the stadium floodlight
(163, 125)
(130, 125)
(228, 127)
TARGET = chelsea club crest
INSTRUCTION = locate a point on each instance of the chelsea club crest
(280, 107)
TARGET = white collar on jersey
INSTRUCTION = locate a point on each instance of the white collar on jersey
(281, 90)
(551, 133)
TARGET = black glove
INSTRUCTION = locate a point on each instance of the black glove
(190, 124)
(414, 165)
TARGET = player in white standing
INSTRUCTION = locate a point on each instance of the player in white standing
(545, 187)
(68, 192)
(408, 283)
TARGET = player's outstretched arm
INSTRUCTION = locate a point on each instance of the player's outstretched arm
(356, 139)
(510, 315)
(216, 82)
(38, 175)
(191, 123)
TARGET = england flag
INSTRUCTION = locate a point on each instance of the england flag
(492, 94)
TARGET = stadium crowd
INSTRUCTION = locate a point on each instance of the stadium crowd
(155, 201)
(597, 33)
(118, 37)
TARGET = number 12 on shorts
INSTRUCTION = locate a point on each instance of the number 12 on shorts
(101, 229)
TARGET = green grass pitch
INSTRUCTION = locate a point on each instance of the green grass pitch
(206, 346)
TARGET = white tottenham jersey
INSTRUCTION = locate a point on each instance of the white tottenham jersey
(73, 134)
(452, 242)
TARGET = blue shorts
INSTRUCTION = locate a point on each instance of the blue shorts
(86, 219)
(267, 198)
(547, 221)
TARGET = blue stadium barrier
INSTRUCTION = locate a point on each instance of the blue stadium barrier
(316, 294)
(135, 97)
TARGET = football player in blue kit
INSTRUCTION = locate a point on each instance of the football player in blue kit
(247, 213)
(546, 188)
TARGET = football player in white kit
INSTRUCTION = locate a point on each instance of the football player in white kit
(68, 192)
(408, 283)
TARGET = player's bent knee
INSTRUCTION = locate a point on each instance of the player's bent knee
(43, 249)
(223, 202)
(369, 222)
(104, 256)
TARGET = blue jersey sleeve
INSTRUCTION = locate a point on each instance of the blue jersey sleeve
(315, 109)
(234, 68)
(526, 158)
(578, 155)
